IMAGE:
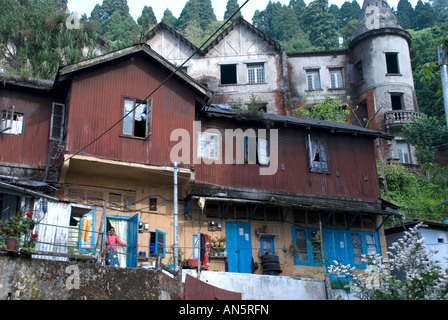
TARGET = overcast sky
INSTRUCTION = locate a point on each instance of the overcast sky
(176, 6)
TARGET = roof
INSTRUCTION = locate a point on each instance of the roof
(21, 81)
(219, 38)
(137, 48)
(230, 111)
(377, 17)
(426, 224)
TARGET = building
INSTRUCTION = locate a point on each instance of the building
(373, 77)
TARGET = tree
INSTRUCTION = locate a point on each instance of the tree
(405, 14)
(168, 18)
(232, 7)
(147, 20)
(422, 277)
(327, 110)
(427, 134)
(424, 15)
(35, 39)
(196, 11)
(321, 25)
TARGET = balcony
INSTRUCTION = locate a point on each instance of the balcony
(400, 117)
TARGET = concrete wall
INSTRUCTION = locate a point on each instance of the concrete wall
(264, 287)
(32, 279)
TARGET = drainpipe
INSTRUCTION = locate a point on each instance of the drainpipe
(444, 77)
(176, 228)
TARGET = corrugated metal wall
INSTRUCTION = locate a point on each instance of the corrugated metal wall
(352, 168)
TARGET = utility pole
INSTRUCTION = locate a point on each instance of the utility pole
(444, 77)
(176, 228)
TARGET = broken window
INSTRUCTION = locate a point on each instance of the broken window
(228, 74)
(301, 246)
(317, 149)
(396, 101)
(336, 78)
(137, 118)
(152, 204)
(255, 73)
(208, 145)
(392, 62)
(404, 155)
(11, 122)
(256, 150)
(57, 121)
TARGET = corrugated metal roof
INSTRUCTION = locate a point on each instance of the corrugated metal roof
(229, 110)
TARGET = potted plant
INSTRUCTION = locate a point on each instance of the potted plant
(17, 232)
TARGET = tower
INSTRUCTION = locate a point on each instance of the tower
(383, 86)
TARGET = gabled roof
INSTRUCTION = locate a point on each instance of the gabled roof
(241, 21)
(219, 38)
(66, 71)
(163, 26)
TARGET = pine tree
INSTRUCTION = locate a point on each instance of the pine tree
(321, 25)
(232, 7)
(199, 11)
(147, 20)
(424, 15)
(168, 18)
(405, 13)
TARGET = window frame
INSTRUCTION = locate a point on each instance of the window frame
(259, 72)
(126, 114)
(226, 65)
(52, 122)
(17, 126)
(337, 77)
(271, 242)
(321, 146)
(211, 153)
(261, 150)
(313, 80)
(392, 65)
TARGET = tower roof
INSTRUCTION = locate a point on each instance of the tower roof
(377, 17)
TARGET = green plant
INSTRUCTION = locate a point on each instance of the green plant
(20, 227)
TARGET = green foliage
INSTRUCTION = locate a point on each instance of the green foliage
(231, 7)
(416, 196)
(328, 110)
(168, 18)
(427, 134)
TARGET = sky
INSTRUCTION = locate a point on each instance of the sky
(176, 6)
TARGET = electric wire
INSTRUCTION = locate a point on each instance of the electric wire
(158, 87)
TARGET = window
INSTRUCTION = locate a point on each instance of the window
(267, 244)
(256, 150)
(255, 73)
(57, 121)
(152, 204)
(359, 71)
(396, 101)
(317, 149)
(228, 74)
(392, 63)
(11, 122)
(403, 152)
(208, 145)
(137, 120)
(302, 253)
(362, 243)
(157, 244)
(336, 79)
(308, 247)
(313, 79)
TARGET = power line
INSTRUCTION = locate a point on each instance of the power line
(158, 87)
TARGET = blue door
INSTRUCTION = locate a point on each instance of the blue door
(239, 247)
(337, 247)
(131, 260)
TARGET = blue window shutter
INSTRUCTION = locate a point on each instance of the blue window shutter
(246, 148)
(160, 243)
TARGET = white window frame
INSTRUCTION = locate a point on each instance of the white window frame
(62, 121)
(12, 122)
(316, 145)
(129, 113)
(313, 79)
(404, 154)
(336, 79)
(256, 72)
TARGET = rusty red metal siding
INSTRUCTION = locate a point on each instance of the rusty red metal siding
(96, 104)
(351, 159)
(32, 147)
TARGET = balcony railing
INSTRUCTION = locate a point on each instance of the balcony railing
(400, 117)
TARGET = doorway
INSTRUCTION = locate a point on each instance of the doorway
(126, 228)
(239, 247)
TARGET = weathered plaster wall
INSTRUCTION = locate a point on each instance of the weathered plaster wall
(33, 279)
